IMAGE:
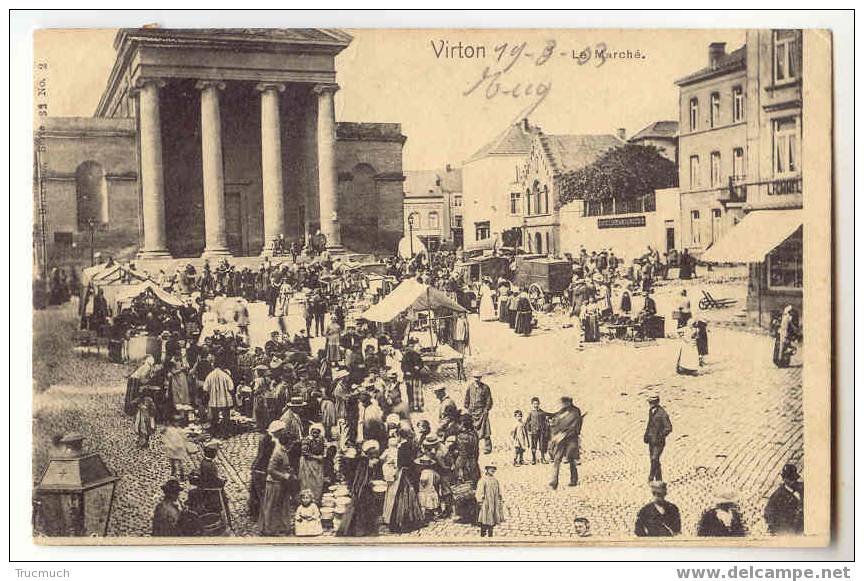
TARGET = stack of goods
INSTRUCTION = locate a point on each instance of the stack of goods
(328, 505)
(342, 501)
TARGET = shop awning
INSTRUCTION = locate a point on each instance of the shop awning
(756, 235)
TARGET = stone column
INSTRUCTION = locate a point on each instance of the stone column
(328, 197)
(271, 165)
(152, 182)
(211, 160)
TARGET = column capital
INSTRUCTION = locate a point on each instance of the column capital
(325, 88)
(207, 83)
(142, 82)
(270, 86)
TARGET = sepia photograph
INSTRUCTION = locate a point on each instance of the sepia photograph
(565, 287)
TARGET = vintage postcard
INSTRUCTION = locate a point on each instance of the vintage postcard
(561, 287)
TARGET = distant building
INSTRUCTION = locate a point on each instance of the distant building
(540, 184)
(426, 208)
(712, 145)
(661, 134)
(491, 195)
(451, 186)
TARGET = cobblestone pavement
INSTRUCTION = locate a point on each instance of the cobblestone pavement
(735, 424)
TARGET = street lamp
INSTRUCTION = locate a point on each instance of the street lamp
(411, 233)
(75, 494)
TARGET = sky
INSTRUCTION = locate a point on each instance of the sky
(451, 107)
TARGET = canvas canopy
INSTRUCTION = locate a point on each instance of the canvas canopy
(127, 295)
(756, 235)
(116, 274)
(410, 295)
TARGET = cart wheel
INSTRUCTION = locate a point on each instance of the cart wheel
(704, 304)
(536, 297)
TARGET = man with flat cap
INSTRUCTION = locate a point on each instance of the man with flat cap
(658, 428)
(658, 518)
(784, 513)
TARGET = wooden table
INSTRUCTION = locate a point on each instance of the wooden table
(445, 355)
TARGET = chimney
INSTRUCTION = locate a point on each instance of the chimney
(525, 125)
(716, 51)
(621, 133)
(449, 167)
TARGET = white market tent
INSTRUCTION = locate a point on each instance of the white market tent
(755, 236)
(125, 296)
(410, 295)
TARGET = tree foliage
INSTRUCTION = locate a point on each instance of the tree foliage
(624, 173)
(512, 237)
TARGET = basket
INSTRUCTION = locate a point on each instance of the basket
(462, 491)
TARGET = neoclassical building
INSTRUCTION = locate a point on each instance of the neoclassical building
(216, 142)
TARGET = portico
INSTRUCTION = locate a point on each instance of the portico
(237, 136)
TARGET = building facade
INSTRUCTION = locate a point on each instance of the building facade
(451, 186)
(770, 235)
(539, 185)
(216, 143)
(491, 195)
(712, 146)
(427, 209)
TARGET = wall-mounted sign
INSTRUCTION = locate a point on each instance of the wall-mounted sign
(621, 222)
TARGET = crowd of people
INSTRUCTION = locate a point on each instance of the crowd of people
(342, 417)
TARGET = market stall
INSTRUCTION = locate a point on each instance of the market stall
(419, 311)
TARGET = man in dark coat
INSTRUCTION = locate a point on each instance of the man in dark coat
(478, 402)
(658, 428)
(564, 443)
(784, 512)
(658, 518)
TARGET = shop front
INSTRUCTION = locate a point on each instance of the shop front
(771, 243)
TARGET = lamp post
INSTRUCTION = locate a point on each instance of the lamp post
(91, 226)
(411, 234)
(75, 494)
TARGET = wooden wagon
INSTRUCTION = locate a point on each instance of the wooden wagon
(546, 280)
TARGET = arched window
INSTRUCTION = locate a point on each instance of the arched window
(91, 193)
(538, 243)
(537, 199)
(434, 224)
(546, 203)
(548, 244)
(529, 201)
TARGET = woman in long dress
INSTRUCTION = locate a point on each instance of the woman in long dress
(361, 518)
(784, 337)
(524, 317)
(312, 462)
(402, 511)
(178, 383)
(139, 377)
(688, 354)
(277, 511)
(487, 303)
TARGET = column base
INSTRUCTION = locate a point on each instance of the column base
(336, 249)
(216, 253)
(144, 254)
